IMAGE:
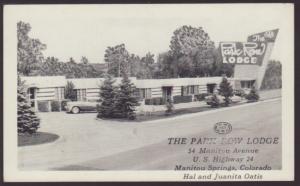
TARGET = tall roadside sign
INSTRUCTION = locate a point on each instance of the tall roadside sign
(251, 57)
(268, 38)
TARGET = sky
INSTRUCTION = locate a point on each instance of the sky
(87, 30)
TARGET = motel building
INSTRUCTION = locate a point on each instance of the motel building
(50, 90)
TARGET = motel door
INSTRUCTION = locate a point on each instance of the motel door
(31, 93)
(167, 93)
(211, 87)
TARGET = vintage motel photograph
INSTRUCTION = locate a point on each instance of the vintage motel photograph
(174, 88)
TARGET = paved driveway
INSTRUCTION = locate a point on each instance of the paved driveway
(85, 139)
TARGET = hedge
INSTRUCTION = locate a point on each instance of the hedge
(43, 106)
(201, 97)
(155, 101)
(239, 92)
(182, 99)
(55, 106)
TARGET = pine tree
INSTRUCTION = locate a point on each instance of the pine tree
(125, 100)
(107, 98)
(225, 89)
(28, 122)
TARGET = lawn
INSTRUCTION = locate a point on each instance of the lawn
(36, 138)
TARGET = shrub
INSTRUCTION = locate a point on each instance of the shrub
(169, 106)
(154, 101)
(55, 106)
(225, 89)
(239, 92)
(253, 95)
(158, 101)
(63, 104)
(182, 99)
(148, 102)
(214, 102)
(200, 97)
(70, 93)
(43, 106)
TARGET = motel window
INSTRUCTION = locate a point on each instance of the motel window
(188, 90)
(184, 91)
(81, 94)
(84, 94)
(247, 84)
(60, 93)
(145, 93)
(196, 89)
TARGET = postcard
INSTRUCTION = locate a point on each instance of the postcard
(149, 92)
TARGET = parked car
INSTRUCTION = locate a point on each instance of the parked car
(76, 107)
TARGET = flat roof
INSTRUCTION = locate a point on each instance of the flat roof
(84, 83)
(155, 83)
(44, 81)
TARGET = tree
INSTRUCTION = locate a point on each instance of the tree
(218, 67)
(187, 40)
(106, 108)
(145, 67)
(135, 65)
(117, 58)
(29, 50)
(53, 67)
(28, 122)
(191, 55)
(84, 60)
(70, 92)
(71, 60)
(125, 100)
(225, 89)
(272, 78)
(165, 66)
(253, 95)
(190, 48)
(185, 66)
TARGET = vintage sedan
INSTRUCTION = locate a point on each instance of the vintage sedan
(76, 107)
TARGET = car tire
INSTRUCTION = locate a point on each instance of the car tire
(75, 110)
